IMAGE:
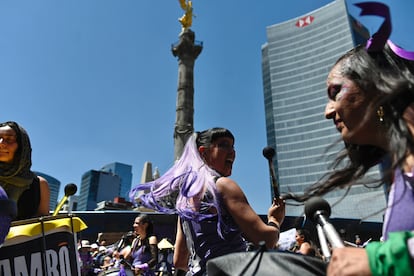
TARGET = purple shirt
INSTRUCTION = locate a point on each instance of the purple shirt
(141, 256)
(205, 243)
(400, 212)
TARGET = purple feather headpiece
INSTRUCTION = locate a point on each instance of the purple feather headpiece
(377, 41)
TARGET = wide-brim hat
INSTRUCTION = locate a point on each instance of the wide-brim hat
(84, 244)
(165, 244)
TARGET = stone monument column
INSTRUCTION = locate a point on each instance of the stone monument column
(187, 50)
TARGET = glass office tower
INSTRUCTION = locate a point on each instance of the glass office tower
(296, 60)
(97, 186)
(124, 171)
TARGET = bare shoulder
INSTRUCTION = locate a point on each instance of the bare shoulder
(228, 188)
(153, 240)
(226, 184)
(43, 180)
(44, 185)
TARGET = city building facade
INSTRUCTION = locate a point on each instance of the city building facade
(97, 186)
(124, 171)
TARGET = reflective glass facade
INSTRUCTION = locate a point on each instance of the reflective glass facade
(296, 60)
(124, 171)
(97, 186)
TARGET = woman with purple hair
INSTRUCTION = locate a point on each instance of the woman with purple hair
(215, 217)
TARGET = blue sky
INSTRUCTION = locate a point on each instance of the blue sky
(94, 81)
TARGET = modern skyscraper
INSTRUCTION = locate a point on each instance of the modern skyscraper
(97, 186)
(124, 171)
(295, 62)
(54, 186)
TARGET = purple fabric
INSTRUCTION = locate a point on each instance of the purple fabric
(206, 243)
(140, 258)
(143, 266)
(122, 272)
(401, 52)
(5, 219)
(400, 212)
(86, 262)
(377, 41)
(173, 192)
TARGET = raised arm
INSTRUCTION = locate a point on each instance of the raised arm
(252, 226)
(181, 253)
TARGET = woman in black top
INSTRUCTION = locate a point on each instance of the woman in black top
(29, 191)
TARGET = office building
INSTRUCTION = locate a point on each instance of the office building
(97, 186)
(296, 60)
(124, 172)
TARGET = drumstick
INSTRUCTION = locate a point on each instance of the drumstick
(70, 189)
(269, 153)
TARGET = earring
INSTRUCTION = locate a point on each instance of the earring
(380, 113)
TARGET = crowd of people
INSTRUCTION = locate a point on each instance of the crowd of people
(370, 100)
(137, 251)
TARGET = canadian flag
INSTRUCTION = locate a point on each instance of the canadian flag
(304, 21)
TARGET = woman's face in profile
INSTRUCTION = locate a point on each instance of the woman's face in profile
(140, 227)
(220, 155)
(347, 107)
(8, 144)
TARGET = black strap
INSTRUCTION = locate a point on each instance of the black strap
(180, 272)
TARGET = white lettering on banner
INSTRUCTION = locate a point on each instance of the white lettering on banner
(5, 268)
(64, 261)
(51, 263)
(35, 264)
(54, 260)
(20, 267)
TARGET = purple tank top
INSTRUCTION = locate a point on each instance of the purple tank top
(205, 243)
(141, 256)
(400, 212)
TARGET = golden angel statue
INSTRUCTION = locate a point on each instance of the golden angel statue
(187, 19)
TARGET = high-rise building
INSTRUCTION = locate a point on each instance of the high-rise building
(54, 186)
(124, 171)
(296, 60)
(97, 186)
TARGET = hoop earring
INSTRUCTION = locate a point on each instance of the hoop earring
(380, 113)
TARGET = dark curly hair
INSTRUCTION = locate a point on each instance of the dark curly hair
(388, 80)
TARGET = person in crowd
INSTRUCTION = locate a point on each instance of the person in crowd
(371, 103)
(94, 249)
(124, 247)
(30, 192)
(98, 256)
(107, 263)
(214, 216)
(143, 254)
(85, 258)
(358, 241)
(116, 259)
(304, 244)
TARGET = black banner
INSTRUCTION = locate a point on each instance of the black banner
(54, 254)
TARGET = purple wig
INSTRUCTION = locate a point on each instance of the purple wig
(187, 189)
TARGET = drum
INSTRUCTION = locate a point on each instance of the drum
(115, 272)
(266, 263)
(42, 246)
